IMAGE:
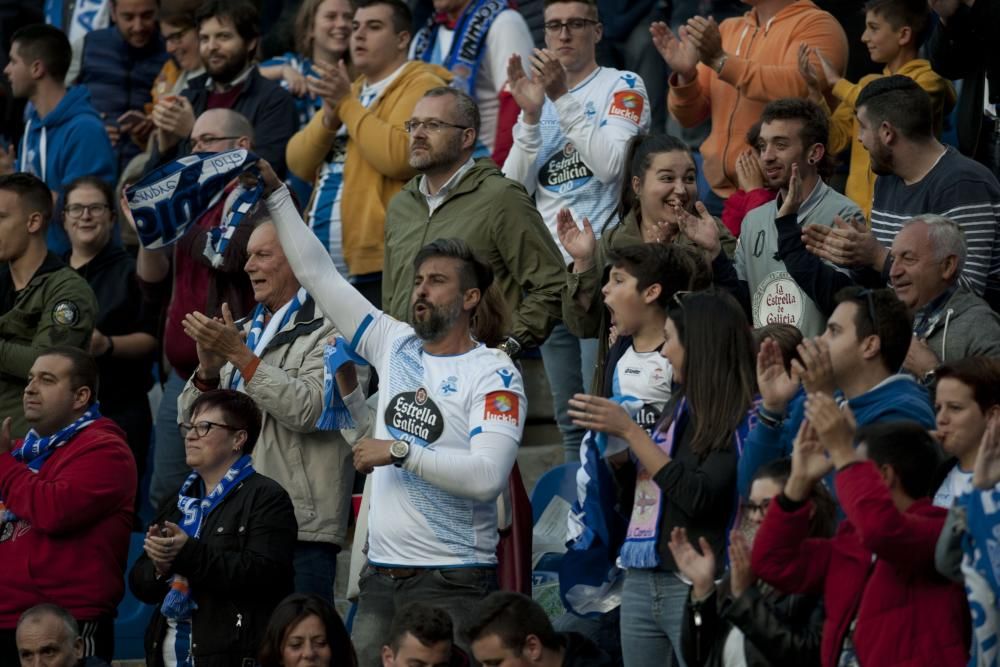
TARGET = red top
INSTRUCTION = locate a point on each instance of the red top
(224, 100)
(740, 203)
(878, 567)
(70, 543)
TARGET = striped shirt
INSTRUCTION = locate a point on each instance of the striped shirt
(959, 189)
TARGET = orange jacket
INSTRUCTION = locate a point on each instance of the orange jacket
(762, 67)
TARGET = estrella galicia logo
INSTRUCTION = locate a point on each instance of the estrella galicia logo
(565, 171)
(449, 386)
(506, 375)
(413, 416)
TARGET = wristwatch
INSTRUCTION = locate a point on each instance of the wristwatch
(511, 347)
(399, 450)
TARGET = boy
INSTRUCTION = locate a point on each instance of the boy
(893, 33)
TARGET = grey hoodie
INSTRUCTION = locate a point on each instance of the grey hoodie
(965, 326)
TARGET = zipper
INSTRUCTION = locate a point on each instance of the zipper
(732, 115)
(239, 620)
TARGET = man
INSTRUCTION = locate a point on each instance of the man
(64, 137)
(43, 302)
(792, 146)
(421, 635)
(454, 189)
(451, 413)
(961, 47)
(949, 321)
(229, 33)
(355, 147)
(917, 174)
(474, 39)
(47, 636)
(68, 491)
(730, 72)
(119, 65)
(859, 355)
(276, 356)
(876, 575)
(513, 630)
(569, 151)
(204, 275)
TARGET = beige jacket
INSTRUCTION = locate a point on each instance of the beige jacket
(315, 467)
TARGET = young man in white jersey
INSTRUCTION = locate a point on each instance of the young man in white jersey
(355, 148)
(450, 417)
(569, 151)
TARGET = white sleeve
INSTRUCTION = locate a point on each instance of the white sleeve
(340, 302)
(481, 474)
(508, 35)
(521, 164)
(602, 141)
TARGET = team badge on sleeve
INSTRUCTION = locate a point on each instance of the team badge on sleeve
(66, 313)
(502, 406)
(627, 104)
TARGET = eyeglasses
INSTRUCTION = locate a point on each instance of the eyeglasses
(750, 507)
(210, 139)
(679, 297)
(77, 210)
(573, 25)
(202, 428)
(175, 37)
(432, 126)
(870, 299)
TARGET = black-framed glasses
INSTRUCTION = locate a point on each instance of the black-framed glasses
(749, 507)
(210, 139)
(869, 296)
(175, 37)
(432, 126)
(679, 297)
(77, 210)
(573, 25)
(202, 428)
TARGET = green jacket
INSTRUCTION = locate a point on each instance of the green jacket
(583, 305)
(498, 219)
(56, 307)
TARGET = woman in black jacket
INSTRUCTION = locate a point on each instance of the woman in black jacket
(218, 558)
(741, 617)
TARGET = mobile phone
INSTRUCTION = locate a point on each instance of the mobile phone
(131, 117)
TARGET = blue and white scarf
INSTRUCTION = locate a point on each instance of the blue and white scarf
(335, 415)
(260, 334)
(35, 449)
(169, 200)
(981, 570)
(179, 605)
(469, 45)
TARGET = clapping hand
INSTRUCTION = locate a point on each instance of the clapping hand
(332, 85)
(809, 463)
(680, 54)
(834, 426)
(749, 175)
(741, 577)
(777, 386)
(795, 196)
(698, 567)
(529, 93)
(985, 472)
(218, 339)
(845, 244)
(579, 243)
(546, 68)
(705, 36)
(814, 366)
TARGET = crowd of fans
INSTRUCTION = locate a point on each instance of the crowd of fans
(330, 237)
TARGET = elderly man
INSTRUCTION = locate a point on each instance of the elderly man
(48, 636)
(67, 493)
(949, 321)
(276, 356)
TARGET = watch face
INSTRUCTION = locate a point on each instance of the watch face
(399, 449)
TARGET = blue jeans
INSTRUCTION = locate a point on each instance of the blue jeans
(569, 365)
(652, 612)
(315, 568)
(170, 467)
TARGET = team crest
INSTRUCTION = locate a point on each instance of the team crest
(66, 313)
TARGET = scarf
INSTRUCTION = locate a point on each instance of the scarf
(335, 415)
(981, 571)
(178, 605)
(260, 334)
(467, 48)
(170, 199)
(35, 449)
(643, 533)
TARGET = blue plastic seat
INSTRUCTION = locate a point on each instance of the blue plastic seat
(560, 481)
(133, 615)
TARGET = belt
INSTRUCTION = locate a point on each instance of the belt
(410, 572)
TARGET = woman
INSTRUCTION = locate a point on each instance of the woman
(741, 615)
(305, 630)
(967, 396)
(659, 188)
(218, 558)
(685, 472)
(124, 338)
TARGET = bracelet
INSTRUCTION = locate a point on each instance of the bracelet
(720, 63)
(769, 418)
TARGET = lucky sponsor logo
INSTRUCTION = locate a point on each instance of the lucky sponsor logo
(627, 104)
(502, 406)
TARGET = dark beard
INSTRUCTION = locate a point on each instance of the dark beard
(229, 71)
(438, 322)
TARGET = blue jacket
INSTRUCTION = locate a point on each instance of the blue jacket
(120, 78)
(898, 398)
(75, 145)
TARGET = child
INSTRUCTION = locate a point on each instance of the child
(893, 32)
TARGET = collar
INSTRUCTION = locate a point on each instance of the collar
(809, 203)
(449, 184)
(927, 316)
(210, 83)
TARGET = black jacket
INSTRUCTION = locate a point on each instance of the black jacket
(581, 652)
(777, 629)
(239, 570)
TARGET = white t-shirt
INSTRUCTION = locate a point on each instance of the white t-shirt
(955, 484)
(646, 376)
(574, 158)
(508, 34)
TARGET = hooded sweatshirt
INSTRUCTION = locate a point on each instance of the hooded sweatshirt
(762, 66)
(68, 143)
(844, 129)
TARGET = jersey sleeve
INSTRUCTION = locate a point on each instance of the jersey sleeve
(499, 404)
